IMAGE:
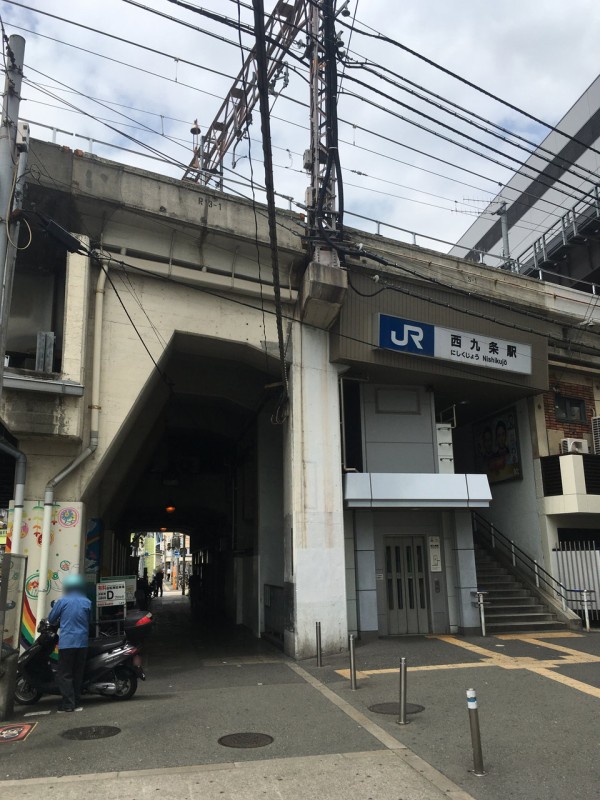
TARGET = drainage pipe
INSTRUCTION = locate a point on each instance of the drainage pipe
(20, 476)
(43, 591)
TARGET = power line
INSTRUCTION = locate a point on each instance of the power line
(420, 126)
(169, 279)
(356, 127)
(112, 36)
(537, 147)
(378, 35)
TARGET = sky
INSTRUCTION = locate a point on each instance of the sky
(538, 55)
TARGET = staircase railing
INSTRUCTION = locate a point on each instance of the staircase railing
(524, 563)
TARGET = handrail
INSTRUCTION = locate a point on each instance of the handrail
(483, 526)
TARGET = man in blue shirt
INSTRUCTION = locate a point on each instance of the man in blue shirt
(72, 613)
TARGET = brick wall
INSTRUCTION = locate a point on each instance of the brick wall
(570, 430)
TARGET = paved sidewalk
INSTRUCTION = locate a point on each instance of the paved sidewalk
(382, 774)
(539, 700)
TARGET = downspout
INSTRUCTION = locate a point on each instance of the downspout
(20, 476)
(43, 591)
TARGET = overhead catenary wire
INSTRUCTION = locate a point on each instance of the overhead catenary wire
(220, 18)
(354, 126)
(375, 34)
(247, 29)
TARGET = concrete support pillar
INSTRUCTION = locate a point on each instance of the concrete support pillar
(466, 574)
(315, 580)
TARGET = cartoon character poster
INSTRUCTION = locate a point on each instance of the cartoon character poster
(64, 557)
(497, 451)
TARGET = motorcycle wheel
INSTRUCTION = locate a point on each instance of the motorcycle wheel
(126, 681)
(25, 694)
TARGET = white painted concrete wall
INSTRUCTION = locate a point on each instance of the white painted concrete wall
(398, 429)
(313, 500)
(514, 508)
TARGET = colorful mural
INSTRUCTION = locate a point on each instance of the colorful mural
(93, 539)
(64, 557)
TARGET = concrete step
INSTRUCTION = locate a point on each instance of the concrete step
(492, 571)
(524, 627)
(499, 583)
(514, 618)
(510, 606)
(503, 601)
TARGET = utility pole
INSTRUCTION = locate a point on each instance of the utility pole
(321, 159)
(15, 52)
(503, 214)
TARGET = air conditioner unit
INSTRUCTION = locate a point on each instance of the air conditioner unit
(596, 434)
(573, 446)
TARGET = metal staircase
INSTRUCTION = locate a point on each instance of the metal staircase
(509, 605)
(520, 594)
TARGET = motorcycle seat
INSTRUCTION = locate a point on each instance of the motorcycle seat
(97, 646)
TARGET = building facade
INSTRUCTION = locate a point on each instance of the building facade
(417, 395)
(552, 206)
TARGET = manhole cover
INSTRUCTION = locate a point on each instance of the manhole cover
(245, 740)
(394, 708)
(91, 732)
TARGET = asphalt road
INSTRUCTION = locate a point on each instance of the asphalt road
(539, 703)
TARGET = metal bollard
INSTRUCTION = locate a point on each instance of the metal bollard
(480, 602)
(352, 664)
(319, 652)
(478, 768)
(586, 609)
(402, 710)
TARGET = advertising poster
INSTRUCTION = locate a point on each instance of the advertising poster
(497, 452)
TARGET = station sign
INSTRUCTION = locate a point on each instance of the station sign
(111, 593)
(450, 344)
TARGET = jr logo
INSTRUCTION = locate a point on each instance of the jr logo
(406, 335)
(411, 332)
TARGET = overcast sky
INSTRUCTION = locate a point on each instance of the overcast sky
(539, 55)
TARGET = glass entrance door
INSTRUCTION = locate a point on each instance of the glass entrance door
(406, 585)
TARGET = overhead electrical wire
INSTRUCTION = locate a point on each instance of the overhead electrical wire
(426, 154)
(370, 132)
(421, 126)
(537, 148)
(375, 34)
(247, 29)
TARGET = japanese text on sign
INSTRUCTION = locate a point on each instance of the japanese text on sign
(420, 338)
(111, 594)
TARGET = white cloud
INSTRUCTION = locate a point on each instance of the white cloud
(540, 56)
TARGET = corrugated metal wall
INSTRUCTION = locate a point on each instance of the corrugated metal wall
(354, 337)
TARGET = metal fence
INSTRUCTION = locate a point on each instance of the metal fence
(577, 563)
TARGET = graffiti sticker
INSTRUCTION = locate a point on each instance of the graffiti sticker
(68, 517)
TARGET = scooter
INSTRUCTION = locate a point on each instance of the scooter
(136, 628)
(112, 668)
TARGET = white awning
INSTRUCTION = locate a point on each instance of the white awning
(415, 490)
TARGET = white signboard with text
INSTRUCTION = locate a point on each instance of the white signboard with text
(111, 593)
(450, 344)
